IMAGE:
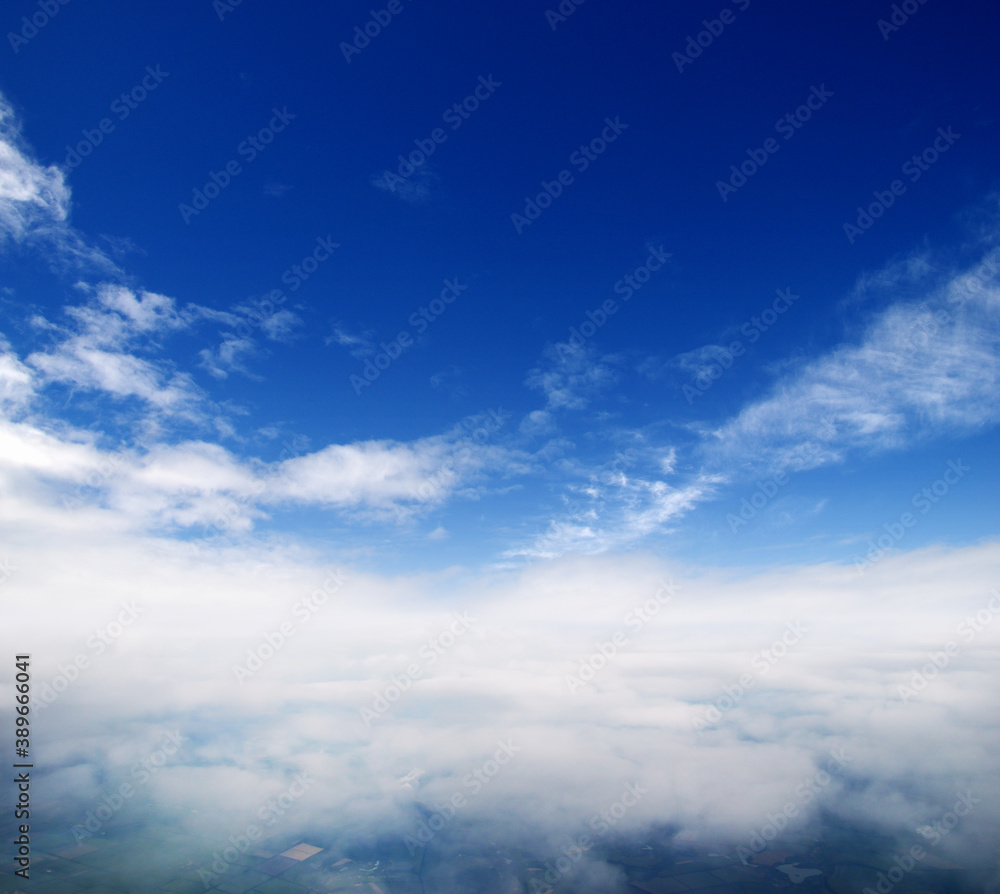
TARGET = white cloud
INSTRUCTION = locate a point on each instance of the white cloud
(237, 343)
(924, 366)
(571, 376)
(277, 190)
(32, 197)
(110, 343)
(920, 368)
(700, 362)
(280, 325)
(192, 484)
(614, 518)
(201, 613)
(537, 423)
(837, 688)
(615, 505)
(142, 313)
(450, 381)
(189, 484)
(386, 478)
(35, 203)
(359, 344)
(79, 365)
(30, 451)
(228, 357)
(16, 380)
(413, 189)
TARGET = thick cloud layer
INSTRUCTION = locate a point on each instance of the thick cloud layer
(540, 696)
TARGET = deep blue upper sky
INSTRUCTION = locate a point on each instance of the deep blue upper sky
(878, 102)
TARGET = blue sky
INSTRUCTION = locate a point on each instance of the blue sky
(498, 291)
(213, 78)
(216, 77)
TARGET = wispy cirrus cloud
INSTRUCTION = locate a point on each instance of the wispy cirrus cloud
(617, 504)
(35, 210)
(359, 344)
(414, 189)
(614, 521)
(927, 363)
(230, 355)
(101, 349)
(32, 197)
(571, 376)
(919, 368)
(35, 203)
(115, 343)
(238, 340)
